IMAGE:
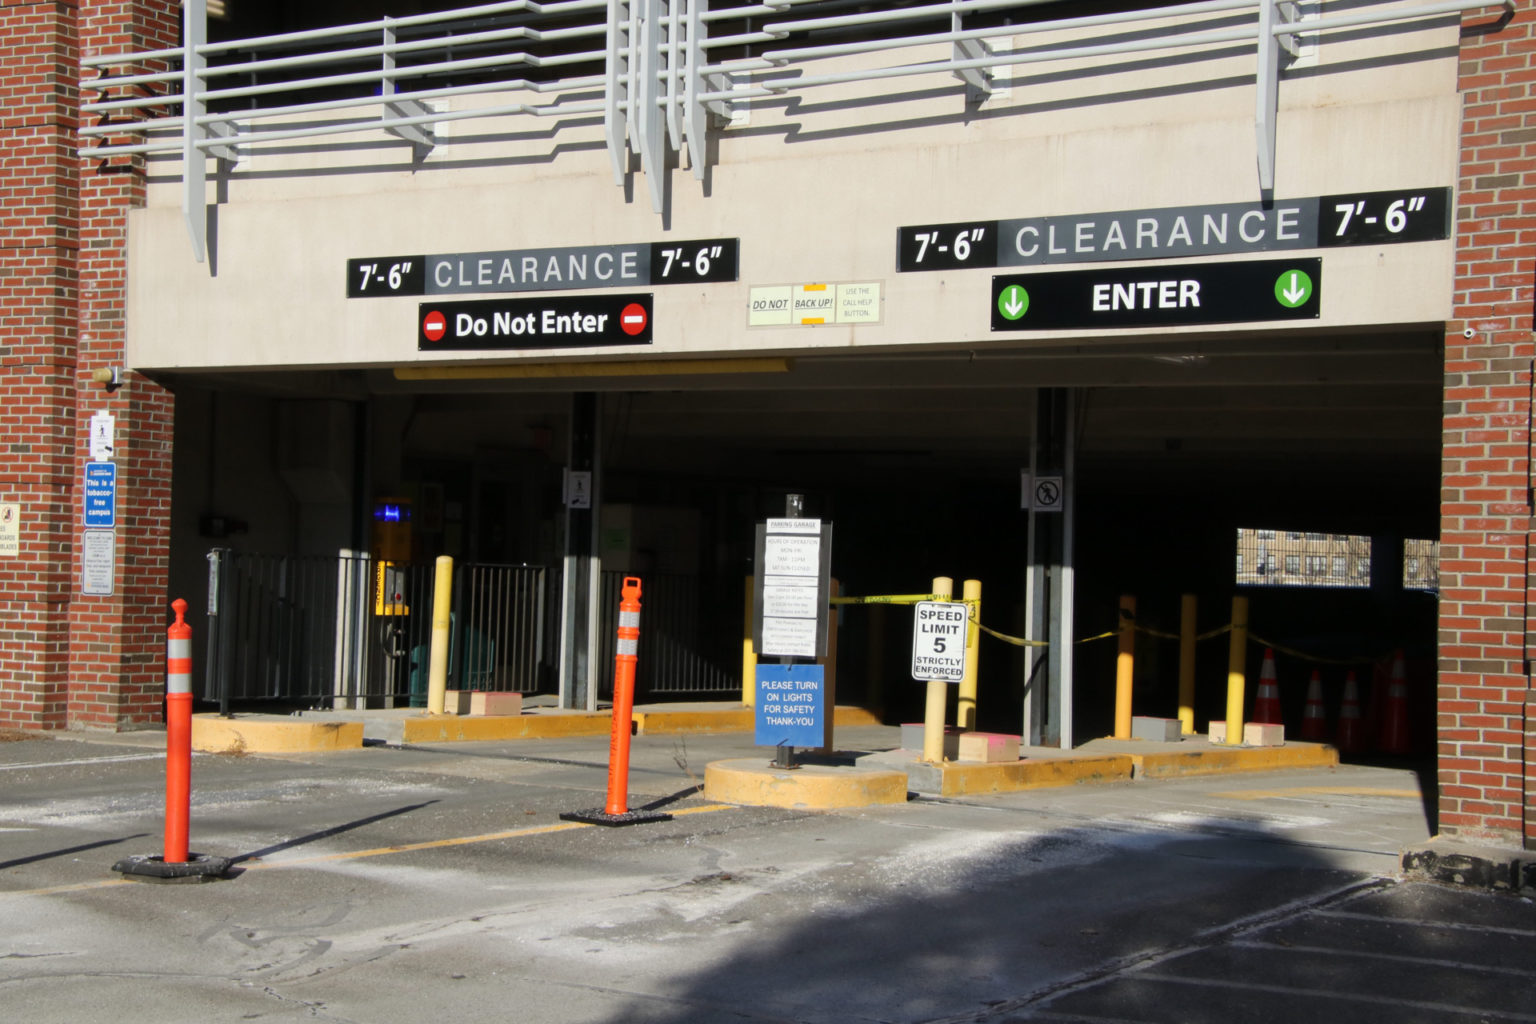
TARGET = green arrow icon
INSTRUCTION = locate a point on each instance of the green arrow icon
(1293, 288)
(1013, 302)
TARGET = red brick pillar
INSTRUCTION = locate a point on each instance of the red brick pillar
(1485, 513)
(38, 244)
(116, 657)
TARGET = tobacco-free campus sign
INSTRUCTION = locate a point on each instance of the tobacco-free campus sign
(1159, 295)
(100, 494)
(549, 322)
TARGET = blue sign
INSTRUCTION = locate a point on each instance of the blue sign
(791, 705)
(101, 494)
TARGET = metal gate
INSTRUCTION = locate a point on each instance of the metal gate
(350, 632)
(679, 652)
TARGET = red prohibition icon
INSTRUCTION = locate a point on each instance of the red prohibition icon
(434, 326)
(632, 319)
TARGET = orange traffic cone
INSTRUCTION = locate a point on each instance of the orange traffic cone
(1314, 720)
(1394, 720)
(1266, 709)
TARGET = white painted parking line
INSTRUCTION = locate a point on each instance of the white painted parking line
(83, 760)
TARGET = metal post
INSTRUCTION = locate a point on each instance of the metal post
(748, 655)
(1188, 607)
(938, 692)
(965, 709)
(1125, 667)
(579, 597)
(1237, 657)
(442, 619)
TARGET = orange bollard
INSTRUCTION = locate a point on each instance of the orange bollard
(1351, 737)
(623, 696)
(1314, 718)
(178, 735)
(177, 864)
(616, 811)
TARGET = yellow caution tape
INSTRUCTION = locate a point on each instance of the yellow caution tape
(1293, 652)
(890, 599)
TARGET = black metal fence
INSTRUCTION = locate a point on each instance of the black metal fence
(350, 632)
(679, 652)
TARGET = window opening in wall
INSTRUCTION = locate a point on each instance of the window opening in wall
(1421, 565)
(1288, 558)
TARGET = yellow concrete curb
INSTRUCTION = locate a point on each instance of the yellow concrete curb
(754, 782)
(1214, 759)
(455, 728)
(216, 735)
(963, 779)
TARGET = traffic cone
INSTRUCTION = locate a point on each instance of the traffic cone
(1393, 738)
(1314, 719)
(1351, 737)
(1266, 709)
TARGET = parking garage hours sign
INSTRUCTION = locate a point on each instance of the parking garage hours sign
(792, 584)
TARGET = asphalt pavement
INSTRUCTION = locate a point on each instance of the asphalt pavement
(407, 884)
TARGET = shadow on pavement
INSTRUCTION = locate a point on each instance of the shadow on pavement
(19, 861)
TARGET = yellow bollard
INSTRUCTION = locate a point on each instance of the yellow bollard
(442, 611)
(1188, 606)
(965, 711)
(748, 656)
(938, 692)
(1236, 680)
(829, 668)
(1125, 667)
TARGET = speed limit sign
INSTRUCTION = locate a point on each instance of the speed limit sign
(938, 640)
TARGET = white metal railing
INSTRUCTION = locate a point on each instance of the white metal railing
(651, 68)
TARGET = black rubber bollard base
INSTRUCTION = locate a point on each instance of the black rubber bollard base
(199, 867)
(598, 816)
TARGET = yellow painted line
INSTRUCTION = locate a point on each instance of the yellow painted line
(488, 837)
(432, 844)
(75, 887)
(1267, 794)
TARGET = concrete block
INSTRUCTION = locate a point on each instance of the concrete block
(495, 702)
(1217, 733)
(987, 747)
(1258, 734)
(912, 739)
(1162, 730)
(456, 702)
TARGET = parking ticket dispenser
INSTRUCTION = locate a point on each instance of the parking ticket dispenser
(391, 546)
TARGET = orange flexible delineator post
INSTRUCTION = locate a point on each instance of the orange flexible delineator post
(178, 735)
(616, 811)
(177, 864)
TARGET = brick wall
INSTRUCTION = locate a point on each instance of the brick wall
(38, 245)
(1485, 515)
(117, 648)
(65, 659)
